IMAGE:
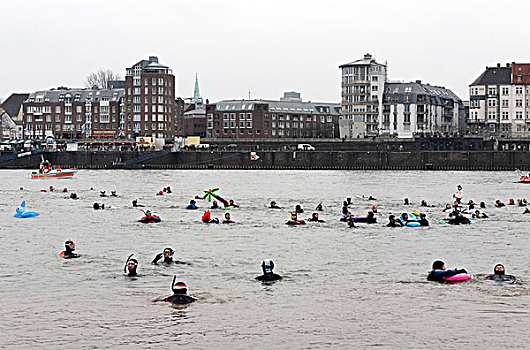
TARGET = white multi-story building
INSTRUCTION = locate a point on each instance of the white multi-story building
(362, 91)
(372, 106)
(498, 103)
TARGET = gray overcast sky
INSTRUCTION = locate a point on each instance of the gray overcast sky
(265, 46)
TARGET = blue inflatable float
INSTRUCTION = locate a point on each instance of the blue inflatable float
(23, 212)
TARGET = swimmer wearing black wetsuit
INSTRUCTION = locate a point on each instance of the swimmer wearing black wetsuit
(459, 219)
(168, 257)
(392, 222)
(345, 209)
(130, 266)
(423, 220)
(232, 204)
(68, 253)
(439, 273)
(314, 218)
(227, 219)
(268, 276)
(274, 205)
(319, 207)
(214, 205)
(97, 206)
(500, 276)
(180, 294)
(298, 209)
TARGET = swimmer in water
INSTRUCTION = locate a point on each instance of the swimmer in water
(274, 205)
(214, 205)
(511, 202)
(314, 218)
(232, 204)
(298, 209)
(168, 257)
(51, 188)
(160, 193)
(371, 218)
(499, 204)
(478, 215)
(351, 222)
(227, 219)
(423, 220)
(102, 194)
(180, 294)
(459, 219)
(268, 276)
(345, 209)
(192, 205)
(406, 201)
(447, 207)
(68, 253)
(500, 276)
(130, 266)
(113, 194)
(393, 222)
(65, 189)
(439, 273)
(319, 207)
(526, 211)
(97, 206)
(169, 190)
(207, 219)
(135, 203)
(482, 205)
(73, 195)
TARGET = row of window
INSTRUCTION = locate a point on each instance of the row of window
(493, 90)
(160, 90)
(68, 109)
(161, 81)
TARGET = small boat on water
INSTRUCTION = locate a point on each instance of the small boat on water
(47, 170)
(524, 179)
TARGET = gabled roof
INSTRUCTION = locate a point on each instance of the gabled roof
(76, 95)
(494, 76)
(13, 103)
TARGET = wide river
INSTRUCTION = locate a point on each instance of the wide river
(343, 288)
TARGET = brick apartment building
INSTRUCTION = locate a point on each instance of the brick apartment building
(150, 100)
(289, 117)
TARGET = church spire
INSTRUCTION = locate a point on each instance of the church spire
(196, 94)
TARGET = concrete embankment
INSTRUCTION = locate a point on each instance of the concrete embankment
(339, 160)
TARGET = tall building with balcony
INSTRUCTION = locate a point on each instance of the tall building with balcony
(150, 100)
(372, 105)
(74, 113)
(499, 102)
(362, 91)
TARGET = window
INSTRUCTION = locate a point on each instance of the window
(519, 90)
(374, 87)
(57, 109)
(518, 103)
(492, 102)
(518, 115)
(492, 91)
(374, 78)
(505, 103)
(505, 115)
(505, 91)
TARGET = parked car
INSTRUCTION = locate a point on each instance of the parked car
(305, 147)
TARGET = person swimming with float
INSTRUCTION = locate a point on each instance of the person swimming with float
(180, 294)
(499, 275)
(130, 266)
(478, 215)
(459, 219)
(370, 218)
(192, 205)
(206, 218)
(268, 276)
(314, 218)
(274, 205)
(393, 222)
(373, 209)
(227, 219)
(351, 221)
(68, 252)
(167, 254)
(232, 204)
(439, 272)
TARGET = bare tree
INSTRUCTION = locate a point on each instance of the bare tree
(101, 78)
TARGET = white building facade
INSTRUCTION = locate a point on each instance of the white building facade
(499, 100)
(373, 106)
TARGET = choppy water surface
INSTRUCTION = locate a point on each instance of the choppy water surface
(343, 288)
